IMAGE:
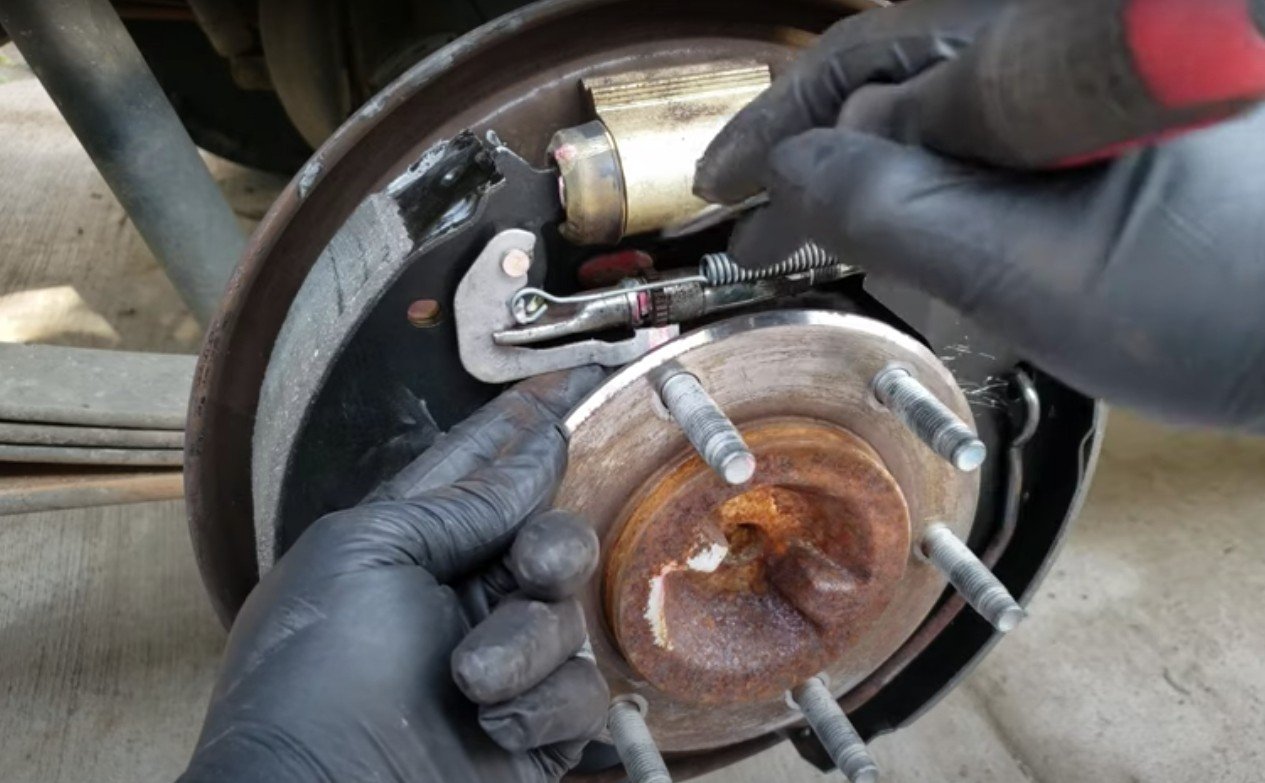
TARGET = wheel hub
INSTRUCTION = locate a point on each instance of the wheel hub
(718, 593)
(718, 599)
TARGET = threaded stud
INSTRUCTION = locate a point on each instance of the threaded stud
(835, 731)
(981, 589)
(929, 419)
(636, 748)
(708, 429)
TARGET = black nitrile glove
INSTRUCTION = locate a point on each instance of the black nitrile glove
(1141, 281)
(884, 45)
(354, 659)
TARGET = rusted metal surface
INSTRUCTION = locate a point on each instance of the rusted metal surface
(29, 488)
(809, 364)
(939, 627)
(424, 313)
(719, 594)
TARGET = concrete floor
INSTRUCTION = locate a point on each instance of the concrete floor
(1141, 660)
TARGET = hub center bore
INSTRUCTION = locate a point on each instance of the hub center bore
(718, 593)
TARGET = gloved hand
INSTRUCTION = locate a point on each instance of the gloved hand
(880, 46)
(354, 659)
(1141, 281)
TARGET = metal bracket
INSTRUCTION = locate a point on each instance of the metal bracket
(482, 309)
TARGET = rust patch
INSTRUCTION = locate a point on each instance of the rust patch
(720, 594)
(424, 313)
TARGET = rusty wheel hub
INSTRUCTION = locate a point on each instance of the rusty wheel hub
(718, 593)
(718, 599)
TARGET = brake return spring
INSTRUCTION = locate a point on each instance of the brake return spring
(721, 269)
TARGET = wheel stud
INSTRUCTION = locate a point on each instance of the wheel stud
(929, 419)
(713, 435)
(835, 731)
(973, 580)
(636, 748)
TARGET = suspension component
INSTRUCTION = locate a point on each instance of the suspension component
(717, 599)
(724, 593)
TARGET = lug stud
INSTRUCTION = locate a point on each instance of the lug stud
(973, 580)
(929, 419)
(835, 731)
(636, 748)
(713, 435)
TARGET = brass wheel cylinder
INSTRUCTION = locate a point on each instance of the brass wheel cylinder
(631, 170)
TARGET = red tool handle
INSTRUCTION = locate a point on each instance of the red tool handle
(1055, 83)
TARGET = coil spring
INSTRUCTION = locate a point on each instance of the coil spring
(720, 269)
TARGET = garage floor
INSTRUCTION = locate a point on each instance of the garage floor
(1141, 660)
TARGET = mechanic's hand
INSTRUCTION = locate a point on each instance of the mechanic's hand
(1141, 281)
(883, 45)
(354, 659)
